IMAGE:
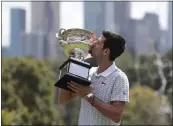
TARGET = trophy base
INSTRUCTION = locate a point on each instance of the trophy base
(62, 83)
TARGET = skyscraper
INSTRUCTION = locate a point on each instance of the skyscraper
(170, 4)
(18, 19)
(5, 51)
(94, 16)
(45, 19)
(122, 15)
(109, 15)
(144, 33)
(152, 22)
(32, 45)
(139, 41)
(164, 42)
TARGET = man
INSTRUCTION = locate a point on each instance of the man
(103, 102)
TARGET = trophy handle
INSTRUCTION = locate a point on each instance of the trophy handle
(59, 34)
(61, 31)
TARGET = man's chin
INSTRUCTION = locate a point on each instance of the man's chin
(90, 51)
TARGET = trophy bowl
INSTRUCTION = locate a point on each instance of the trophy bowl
(75, 44)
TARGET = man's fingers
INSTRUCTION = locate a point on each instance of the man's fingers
(75, 84)
(72, 88)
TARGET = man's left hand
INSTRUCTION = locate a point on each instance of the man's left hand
(79, 89)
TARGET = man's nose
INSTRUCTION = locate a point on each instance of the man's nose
(92, 45)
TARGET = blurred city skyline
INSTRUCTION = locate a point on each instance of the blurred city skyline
(138, 9)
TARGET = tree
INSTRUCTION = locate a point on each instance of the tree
(167, 60)
(126, 63)
(168, 55)
(70, 111)
(146, 73)
(148, 109)
(27, 90)
(126, 60)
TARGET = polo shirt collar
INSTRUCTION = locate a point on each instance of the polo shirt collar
(108, 71)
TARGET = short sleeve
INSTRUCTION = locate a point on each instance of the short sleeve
(120, 90)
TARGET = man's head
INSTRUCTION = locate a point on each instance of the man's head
(109, 46)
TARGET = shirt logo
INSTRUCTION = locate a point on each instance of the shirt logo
(103, 83)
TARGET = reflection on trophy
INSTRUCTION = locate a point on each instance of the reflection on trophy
(75, 44)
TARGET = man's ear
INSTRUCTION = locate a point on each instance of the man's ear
(106, 51)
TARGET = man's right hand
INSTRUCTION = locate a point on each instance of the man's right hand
(93, 39)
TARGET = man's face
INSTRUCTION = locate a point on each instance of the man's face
(97, 50)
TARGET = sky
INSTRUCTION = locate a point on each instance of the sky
(75, 11)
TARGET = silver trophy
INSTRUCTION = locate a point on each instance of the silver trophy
(75, 44)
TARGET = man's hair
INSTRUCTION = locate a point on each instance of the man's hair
(115, 42)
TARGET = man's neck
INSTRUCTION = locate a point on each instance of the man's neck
(103, 65)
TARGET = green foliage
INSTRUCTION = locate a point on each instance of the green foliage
(28, 92)
(55, 63)
(70, 111)
(8, 116)
(168, 55)
(125, 61)
(144, 108)
(146, 75)
(27, 89)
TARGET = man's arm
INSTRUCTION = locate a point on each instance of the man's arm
(113, 111)
(64, 96)
(119, 96)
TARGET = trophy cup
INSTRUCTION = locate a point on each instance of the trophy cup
(75, 44)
